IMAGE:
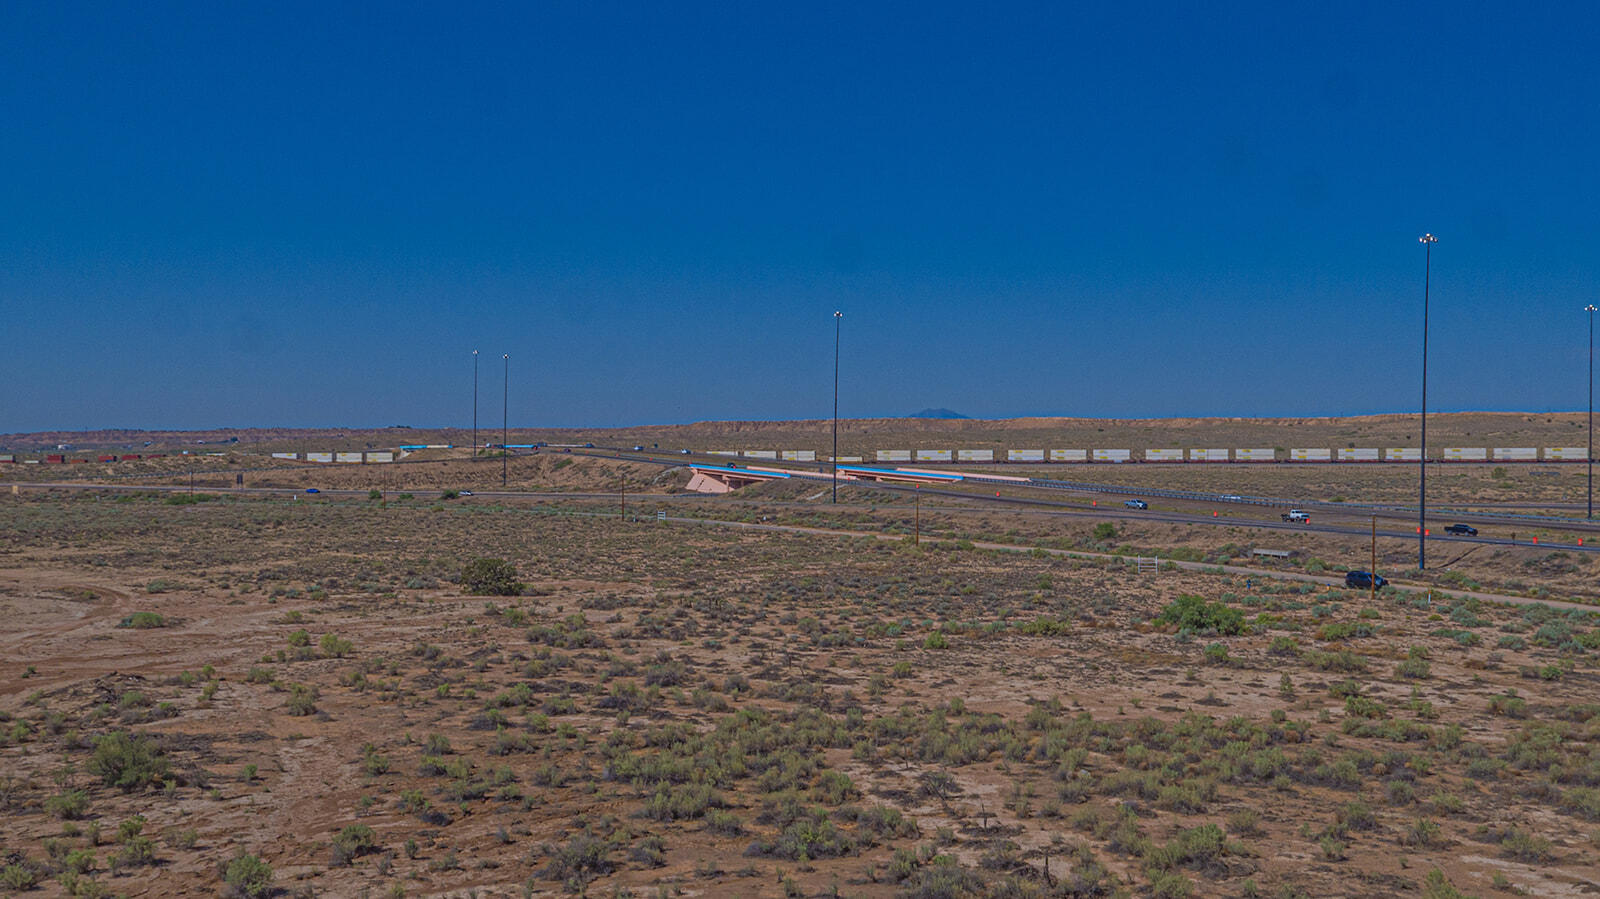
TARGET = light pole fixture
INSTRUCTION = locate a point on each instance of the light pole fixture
(837, 315)
(1427, 240)
(1589, 453)
(474, 404)
(505, 418)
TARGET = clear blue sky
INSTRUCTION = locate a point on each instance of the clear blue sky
(303, 214)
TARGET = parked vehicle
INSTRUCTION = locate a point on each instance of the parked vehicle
(1365, 580)
(1300, 516)
(1463, 529)
(1136, 504)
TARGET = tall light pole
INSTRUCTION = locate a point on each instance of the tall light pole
(505, 419)
(1590, 452)
(474, 404)
(837, 315)
(1428, 240)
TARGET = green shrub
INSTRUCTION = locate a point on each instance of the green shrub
(491, 577)
(1193, 614)
(1105, 530)
(18, 877)
(128, 761)
(247, 877)
(335, 647)
(143, 621)
(351, 842)
(68, 805)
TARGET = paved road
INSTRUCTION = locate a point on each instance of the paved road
(1187, 566)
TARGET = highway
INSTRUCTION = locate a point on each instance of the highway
(1168, 506)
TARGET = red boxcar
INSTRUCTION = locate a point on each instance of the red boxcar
(56, 458)
(107, 459)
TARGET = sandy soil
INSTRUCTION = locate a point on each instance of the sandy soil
(706, 712)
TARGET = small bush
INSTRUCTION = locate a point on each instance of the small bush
(247, 877)
(1192, 613)
(143, 621)
(128, 761)
(351, 842)
(491, 577)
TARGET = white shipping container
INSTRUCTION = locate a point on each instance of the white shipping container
(319, 457)
(347, 457)
(933, 455)
(722, 452)
(1260, 454)
(1516, 454)
(975, 455)
(1310, 455)
(1112, 455)
(1358, 455)
(800, 455)
(1465, 454)
(285, 455)
(1163, 455)
(1403, 454)
(380, 457)
(1565, 454)
(894, 455)
(1208, 455)
(849, 458)
(1025, 455)
(1069, 455)
(761, 454)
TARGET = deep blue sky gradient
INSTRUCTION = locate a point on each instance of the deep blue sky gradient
(301, 214)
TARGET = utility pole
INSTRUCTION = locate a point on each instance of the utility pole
(1591, 309)
(1428, 240)
(474, 404)
(917, 540)
(505, 419)
(1372, 583)
(836, 316)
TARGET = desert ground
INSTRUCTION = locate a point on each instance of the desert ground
(288, 694)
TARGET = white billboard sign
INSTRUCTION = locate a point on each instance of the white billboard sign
(1261, 454)
(1163, 455)
(1069, 455)
(975, 455)
(931, 455)
(1025, 455)
(894, 455)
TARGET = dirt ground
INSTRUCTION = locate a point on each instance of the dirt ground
(684, 709)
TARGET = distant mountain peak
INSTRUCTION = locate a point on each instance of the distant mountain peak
(938, 413)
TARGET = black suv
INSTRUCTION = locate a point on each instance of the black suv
(1364, 580)
(1466, 529)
